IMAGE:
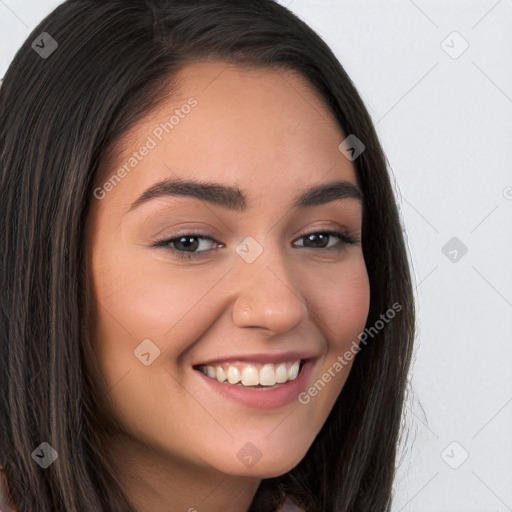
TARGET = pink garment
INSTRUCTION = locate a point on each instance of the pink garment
(289, 506)
(6, 504)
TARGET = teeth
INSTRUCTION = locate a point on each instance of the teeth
(220, 374)
(233, 375)
(251, 375)
(294, 370)
(268, 375)
(281, 373)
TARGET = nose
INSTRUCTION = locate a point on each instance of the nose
(267, 295)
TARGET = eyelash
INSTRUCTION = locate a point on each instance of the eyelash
(345, 237)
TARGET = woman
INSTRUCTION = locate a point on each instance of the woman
(206, 299)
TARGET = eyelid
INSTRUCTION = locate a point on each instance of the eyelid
(346, 237)
(350, 237)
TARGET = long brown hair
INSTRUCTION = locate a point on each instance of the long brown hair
(59, 116)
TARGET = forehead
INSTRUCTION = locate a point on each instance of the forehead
(266, 130)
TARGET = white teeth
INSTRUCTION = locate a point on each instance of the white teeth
(220, 374)
(252, 374)
(294, 370)
(281, 373)
(233, 375)
(268, 375)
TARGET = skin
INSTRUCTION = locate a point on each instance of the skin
(269, 133)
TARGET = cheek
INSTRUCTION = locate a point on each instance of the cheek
(150, 300)
(341, 304)
(139, 300)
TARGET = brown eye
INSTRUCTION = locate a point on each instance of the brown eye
(187, 245)
(321, 240)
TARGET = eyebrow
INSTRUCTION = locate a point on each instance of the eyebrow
(232, 198)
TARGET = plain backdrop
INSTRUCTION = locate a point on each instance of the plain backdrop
(436, 77)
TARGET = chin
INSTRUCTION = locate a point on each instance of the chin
(263, 469)
(265, 462)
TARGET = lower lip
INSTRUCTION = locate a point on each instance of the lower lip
(263, 398)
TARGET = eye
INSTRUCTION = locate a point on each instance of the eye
(322, 240)
(188, 245)
(197, 245)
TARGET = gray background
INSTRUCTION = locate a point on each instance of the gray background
(444, 116)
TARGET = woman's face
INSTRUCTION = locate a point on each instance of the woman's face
(228, 276)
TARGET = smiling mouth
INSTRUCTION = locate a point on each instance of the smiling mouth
(253, 375)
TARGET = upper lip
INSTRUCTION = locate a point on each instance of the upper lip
(260, 357)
